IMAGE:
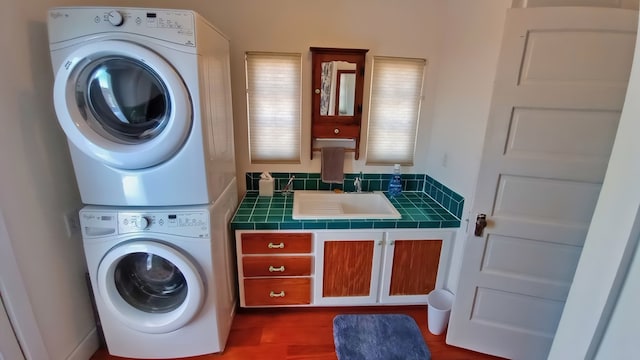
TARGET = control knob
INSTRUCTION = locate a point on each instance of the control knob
(115, 18)
(143, 223)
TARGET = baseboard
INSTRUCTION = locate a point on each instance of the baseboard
(87, 347)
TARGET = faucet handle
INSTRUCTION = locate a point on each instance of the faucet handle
(288, 188)
(357, 183)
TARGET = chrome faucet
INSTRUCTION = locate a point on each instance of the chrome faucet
(357, 183)
(288, 189)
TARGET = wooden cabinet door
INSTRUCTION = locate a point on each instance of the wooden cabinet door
(414, 267)
(347, 268)
(414, 264)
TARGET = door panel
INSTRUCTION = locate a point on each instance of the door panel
(559, 89)
(559, 260)
(548, 134)
(517, 312)
(550, 58)
(530, 198)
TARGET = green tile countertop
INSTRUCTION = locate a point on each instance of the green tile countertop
(418, 210)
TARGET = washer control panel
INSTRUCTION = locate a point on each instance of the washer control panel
(180, 222)
(176, 26)
(177, 222)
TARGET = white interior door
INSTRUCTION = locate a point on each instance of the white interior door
(559, 89)
(9, 347)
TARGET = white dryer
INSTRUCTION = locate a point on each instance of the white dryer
(163, 279)
(143, 96)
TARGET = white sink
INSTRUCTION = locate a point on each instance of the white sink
(331, 205)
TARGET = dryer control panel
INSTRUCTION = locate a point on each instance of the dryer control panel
(181, 222)
(177, 26)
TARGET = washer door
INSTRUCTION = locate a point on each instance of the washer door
(122, 104)
(149, 286)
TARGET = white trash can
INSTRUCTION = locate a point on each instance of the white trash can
(439, 303)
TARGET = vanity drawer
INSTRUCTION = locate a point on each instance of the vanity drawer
(253, 266)
(336, 131)
(276, 243)
(277, 291)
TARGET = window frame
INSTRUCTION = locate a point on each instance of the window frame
(386, 102)
(279, 141)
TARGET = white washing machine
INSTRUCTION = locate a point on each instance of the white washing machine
(143, 96)
(163, 278)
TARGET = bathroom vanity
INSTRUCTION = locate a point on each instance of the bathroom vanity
(341, 262)
(341, 268)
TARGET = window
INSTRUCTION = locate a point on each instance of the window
(273, 106)
(394, 109)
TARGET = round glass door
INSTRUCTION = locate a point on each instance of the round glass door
(123, 99)
(150, 283)
(122, 104)
(150, 286)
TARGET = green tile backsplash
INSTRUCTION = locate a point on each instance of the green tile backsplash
(424, 203)
(311, 181)
(446, 197)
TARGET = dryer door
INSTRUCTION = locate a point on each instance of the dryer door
(122, 104)
(149, 286)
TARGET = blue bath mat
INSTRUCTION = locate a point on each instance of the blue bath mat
(378, 337)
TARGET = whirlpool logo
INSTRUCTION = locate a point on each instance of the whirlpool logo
(56, 15)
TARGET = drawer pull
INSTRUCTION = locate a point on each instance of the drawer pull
(276, 269)
(274, 246)
(274, 294)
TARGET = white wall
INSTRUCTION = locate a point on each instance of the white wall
(36, 188)
(405, 28)
(472, 34)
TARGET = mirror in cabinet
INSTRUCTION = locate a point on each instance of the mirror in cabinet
(337, 91)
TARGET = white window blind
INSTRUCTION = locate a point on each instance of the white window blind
(394, 109)
(273, 106)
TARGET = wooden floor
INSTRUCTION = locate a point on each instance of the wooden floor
(297, 334)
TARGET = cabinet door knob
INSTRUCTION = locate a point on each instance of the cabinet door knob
(276, 269)
(274, 246)
(336, 131)
(274, 294)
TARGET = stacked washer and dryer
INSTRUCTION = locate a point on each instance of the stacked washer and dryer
(143, 96)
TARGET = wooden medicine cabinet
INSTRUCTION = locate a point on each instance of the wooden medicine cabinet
(337, 88)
